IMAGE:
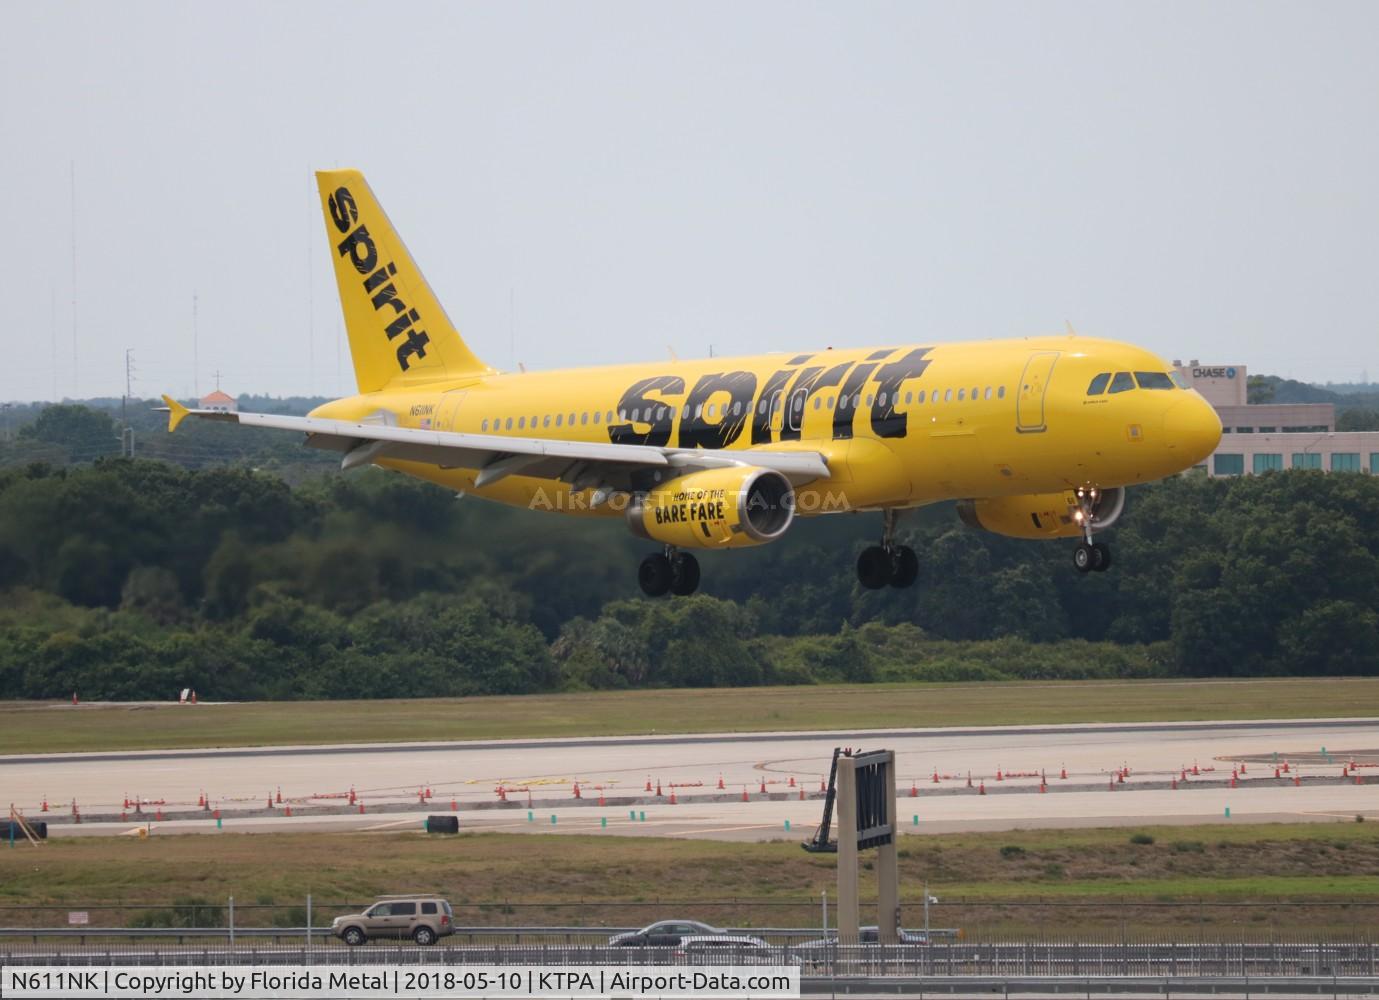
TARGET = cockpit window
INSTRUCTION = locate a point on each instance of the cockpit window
(1153, 380)
(1098, 385)
(1122, 382)
(1178, 380)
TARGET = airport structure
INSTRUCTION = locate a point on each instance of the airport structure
(1260, 437)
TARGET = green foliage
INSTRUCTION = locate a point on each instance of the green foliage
(1141, 838)
(133, 579)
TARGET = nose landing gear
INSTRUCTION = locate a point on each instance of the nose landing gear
(1089, 556)
(673, 572)
(887, 563)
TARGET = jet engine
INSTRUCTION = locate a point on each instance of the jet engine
(1042, 515)
(715, 509)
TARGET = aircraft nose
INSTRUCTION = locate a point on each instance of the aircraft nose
(1192, 429)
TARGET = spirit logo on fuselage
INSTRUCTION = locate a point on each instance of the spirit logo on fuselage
(359, 247)
(787, 392)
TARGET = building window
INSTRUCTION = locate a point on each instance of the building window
(1227, 465)
(1244, 430)
(1307, 460)
(1345, 461)
(1267, 463)
(1374, 462)
(1268, 430)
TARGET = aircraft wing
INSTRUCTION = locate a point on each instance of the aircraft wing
(583, 464)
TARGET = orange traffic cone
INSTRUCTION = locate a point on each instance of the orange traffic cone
(1063, 773)
(45, 804)
(289, 810)
(74, 698)
(672, 795)
(744, 793)
(577, 795)
(720, 781)
(193, 696)
(936, 776)
(998, 775)
(792, 781)
(454, 806)
(914, 790)
(763, 786)
(801, 793)
(280, 795)
(981, 790)
(648, 782)
(658, 787)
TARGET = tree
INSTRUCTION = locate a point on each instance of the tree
(84, 433)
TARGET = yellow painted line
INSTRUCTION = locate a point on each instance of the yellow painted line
(737, 829)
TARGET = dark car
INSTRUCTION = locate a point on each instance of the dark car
(662, 934)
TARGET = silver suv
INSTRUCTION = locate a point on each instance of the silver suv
(424, 919)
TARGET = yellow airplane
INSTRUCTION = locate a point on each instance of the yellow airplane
(1035, 437)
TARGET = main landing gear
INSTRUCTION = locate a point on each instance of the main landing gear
(887, 563)
(673, 572)
(1089, 556)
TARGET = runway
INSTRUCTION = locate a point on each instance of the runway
(1115, 775)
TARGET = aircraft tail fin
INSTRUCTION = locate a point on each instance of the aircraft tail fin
(398, 331)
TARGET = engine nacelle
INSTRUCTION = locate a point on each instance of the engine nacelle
(1041, 515)
(716, 509)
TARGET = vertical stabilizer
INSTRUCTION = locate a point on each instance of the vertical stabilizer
(399, 334)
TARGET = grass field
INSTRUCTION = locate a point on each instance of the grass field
(1257, 879)
(37, 727)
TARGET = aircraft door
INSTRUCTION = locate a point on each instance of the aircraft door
(1034, 383)
(448, 410)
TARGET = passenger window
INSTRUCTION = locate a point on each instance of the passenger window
(559, 418)
(584, 418)
(382, 910)
(910, 398)
(1098, 384)
(831, 402)
(919, 397)
(597, 414)
(761, 407)
(637, 416)
(818, 401)
(428, 907)
(947, 395)
(610, 416)
(1001, 392)
(881, 399)
(988, 393)
(1122, 382)
(961, 394)
(404, 909)
(869, 399)
(546, 420)
(484, 425)
(509, 427)
(572, 419)
(1153, 380)
(974, 392)
(521, 423)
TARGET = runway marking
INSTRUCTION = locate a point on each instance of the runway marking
(734, 829)
(390, 826)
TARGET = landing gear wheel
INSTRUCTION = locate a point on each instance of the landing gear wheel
(1083, 558)
(684, 574)
(654, 575)
(1101, 557)
(874, 567)
(904, 566)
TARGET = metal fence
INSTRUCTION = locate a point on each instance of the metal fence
(816, 958)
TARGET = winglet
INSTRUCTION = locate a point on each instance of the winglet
(176, 413)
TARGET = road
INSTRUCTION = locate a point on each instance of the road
(316, 781)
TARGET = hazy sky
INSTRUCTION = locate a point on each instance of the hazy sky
(600, 181)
